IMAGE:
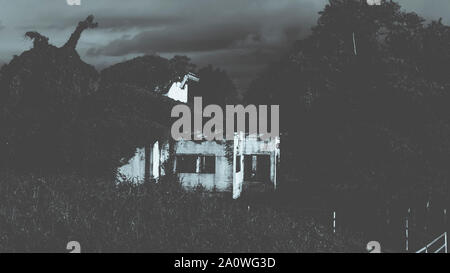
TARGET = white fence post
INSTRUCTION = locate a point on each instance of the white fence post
(407, 230)
(445, 219)
(445, 242)
(334, 222)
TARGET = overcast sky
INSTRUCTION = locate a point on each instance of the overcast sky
(240, 36)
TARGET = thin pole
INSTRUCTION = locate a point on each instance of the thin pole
(334, 221)
(427, 215)
(354, 45)
(445, 219)
(407, 230)
(445, 238)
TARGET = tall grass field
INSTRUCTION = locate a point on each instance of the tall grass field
(44, 213)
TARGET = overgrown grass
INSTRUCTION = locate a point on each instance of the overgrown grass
(42, 214)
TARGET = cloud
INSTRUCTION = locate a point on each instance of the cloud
(241, 36)
(125, 22)
(181, 38)
(251, 26)
(1, 25)
(429, 9)
(108, 22)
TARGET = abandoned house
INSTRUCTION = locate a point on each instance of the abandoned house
(246, 163)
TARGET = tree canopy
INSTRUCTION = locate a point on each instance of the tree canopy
(364, 99)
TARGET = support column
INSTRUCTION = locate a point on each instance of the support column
(148, 163)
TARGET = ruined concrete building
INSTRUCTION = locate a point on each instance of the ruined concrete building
(246, 163)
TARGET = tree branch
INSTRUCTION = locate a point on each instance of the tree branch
(38, 39)
(83, 25)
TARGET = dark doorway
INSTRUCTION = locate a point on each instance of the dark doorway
(257, 168)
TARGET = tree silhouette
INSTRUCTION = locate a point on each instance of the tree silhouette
(364, 99)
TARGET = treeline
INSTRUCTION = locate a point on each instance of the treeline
(364, 101)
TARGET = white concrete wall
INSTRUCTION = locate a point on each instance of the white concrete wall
(225, 179)
(177, 92)
(134, 170)
(155, 160)
(238, 177)
(255, 146)
(222, 179)
(164, 153)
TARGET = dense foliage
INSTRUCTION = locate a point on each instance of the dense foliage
(364, 100)
(58, 114)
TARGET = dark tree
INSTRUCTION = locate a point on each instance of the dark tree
(364, 100)
(215, 87)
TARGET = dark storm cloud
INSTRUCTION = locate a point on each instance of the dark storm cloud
(123, 22)
(108, 22)
(184, 38)
(261, 25)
